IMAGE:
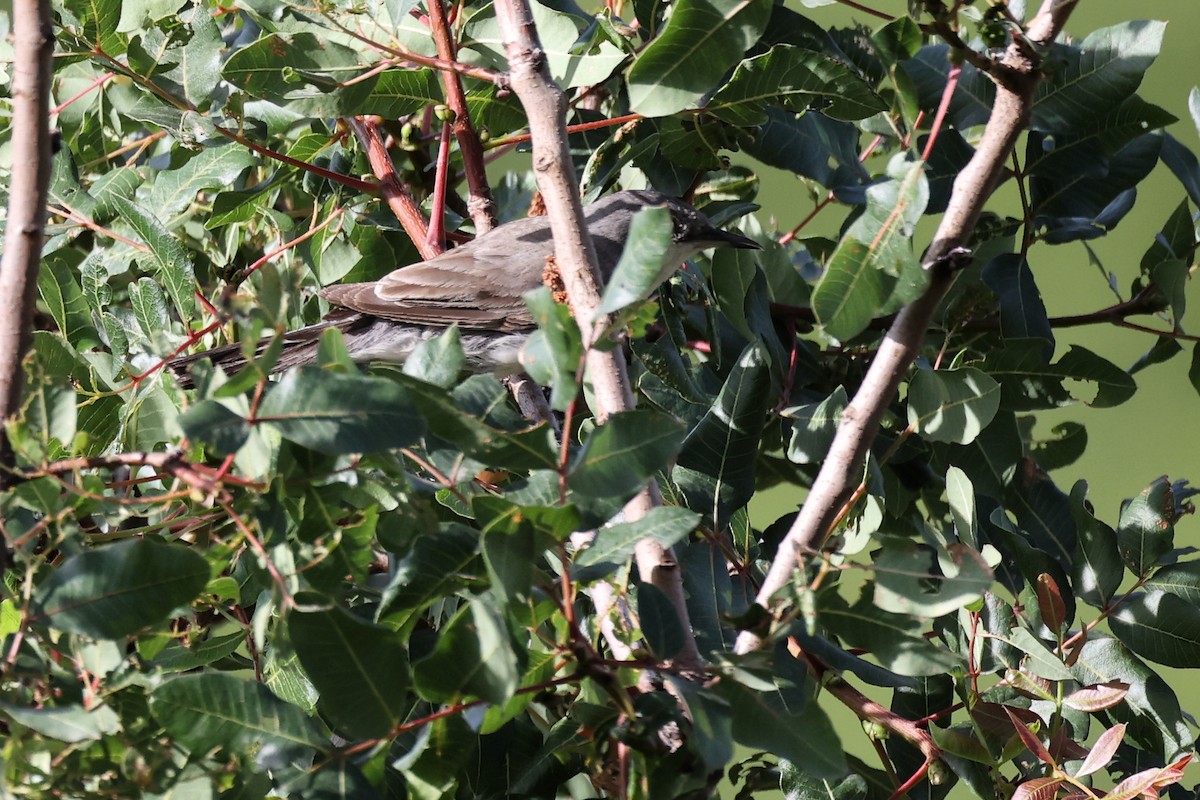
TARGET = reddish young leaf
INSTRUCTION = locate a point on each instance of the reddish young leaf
(1097, 697)
(1102, 750)
(1030, 740)
(1050, 602)
(1037, 789)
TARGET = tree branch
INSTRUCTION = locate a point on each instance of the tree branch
(840, 473)
(546, 107)
(390, 186)
(27, 195)
(481, 204)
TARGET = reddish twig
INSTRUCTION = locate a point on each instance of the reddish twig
(392, 189)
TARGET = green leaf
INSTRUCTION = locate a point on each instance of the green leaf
(360, 669)
(439, 360)
(150, 307)
(212, 168)
(70, 724)
(896, 641)
(216, 425)
(905, 582)
(766, 720)
(397, 93)
(620, 457)
(794, 78)
(1160, 626)
(960, 495)
(60, 291)
(118, 589)
(1100, 72)
(558, 33)
(554, 351)
(208, 710)
(1040, 661)
(178, 658)
(1146, 531)
(1030, 384)
(643, 264)
(473, 657)
(1182, 580)
(1164, 731)
(701, 41)
(438, 565)
(486, 443)
(813, 427)
(299, 71)
(170, 259)
(716, 464)
(1097, 568)
(952, 405)
(614, 544)
(337, 414)
(797, 784)
(874, 252)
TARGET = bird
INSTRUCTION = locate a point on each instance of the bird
(478, 286)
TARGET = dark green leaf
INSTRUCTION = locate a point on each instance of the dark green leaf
(341, 413)
(702, 40)
(1160, 626)
(952, 405)
(118, 589)
(208, 710)
(766, 720)
(621, 456)
(660, 622)
(1022, 312)
(438, 565)
(1146, 531)
(170, 259)
(614, 543)
(794, 78)
(1097, 564)
(473, 656)
(716, 465)
(214, 424)
(360, 669)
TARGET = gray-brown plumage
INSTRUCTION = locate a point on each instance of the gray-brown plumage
(477, 286)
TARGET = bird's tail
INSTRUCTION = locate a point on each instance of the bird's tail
(299, 347)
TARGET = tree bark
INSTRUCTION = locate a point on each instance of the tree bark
(575, 255)
(34, 49)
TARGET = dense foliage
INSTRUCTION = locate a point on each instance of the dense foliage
(369, 583)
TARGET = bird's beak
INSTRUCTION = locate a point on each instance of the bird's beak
(729, 239)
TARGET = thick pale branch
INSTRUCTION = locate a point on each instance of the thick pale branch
(546, 107)
(27, 194)
(842, 470)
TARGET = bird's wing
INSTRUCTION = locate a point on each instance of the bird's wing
(476, 286)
